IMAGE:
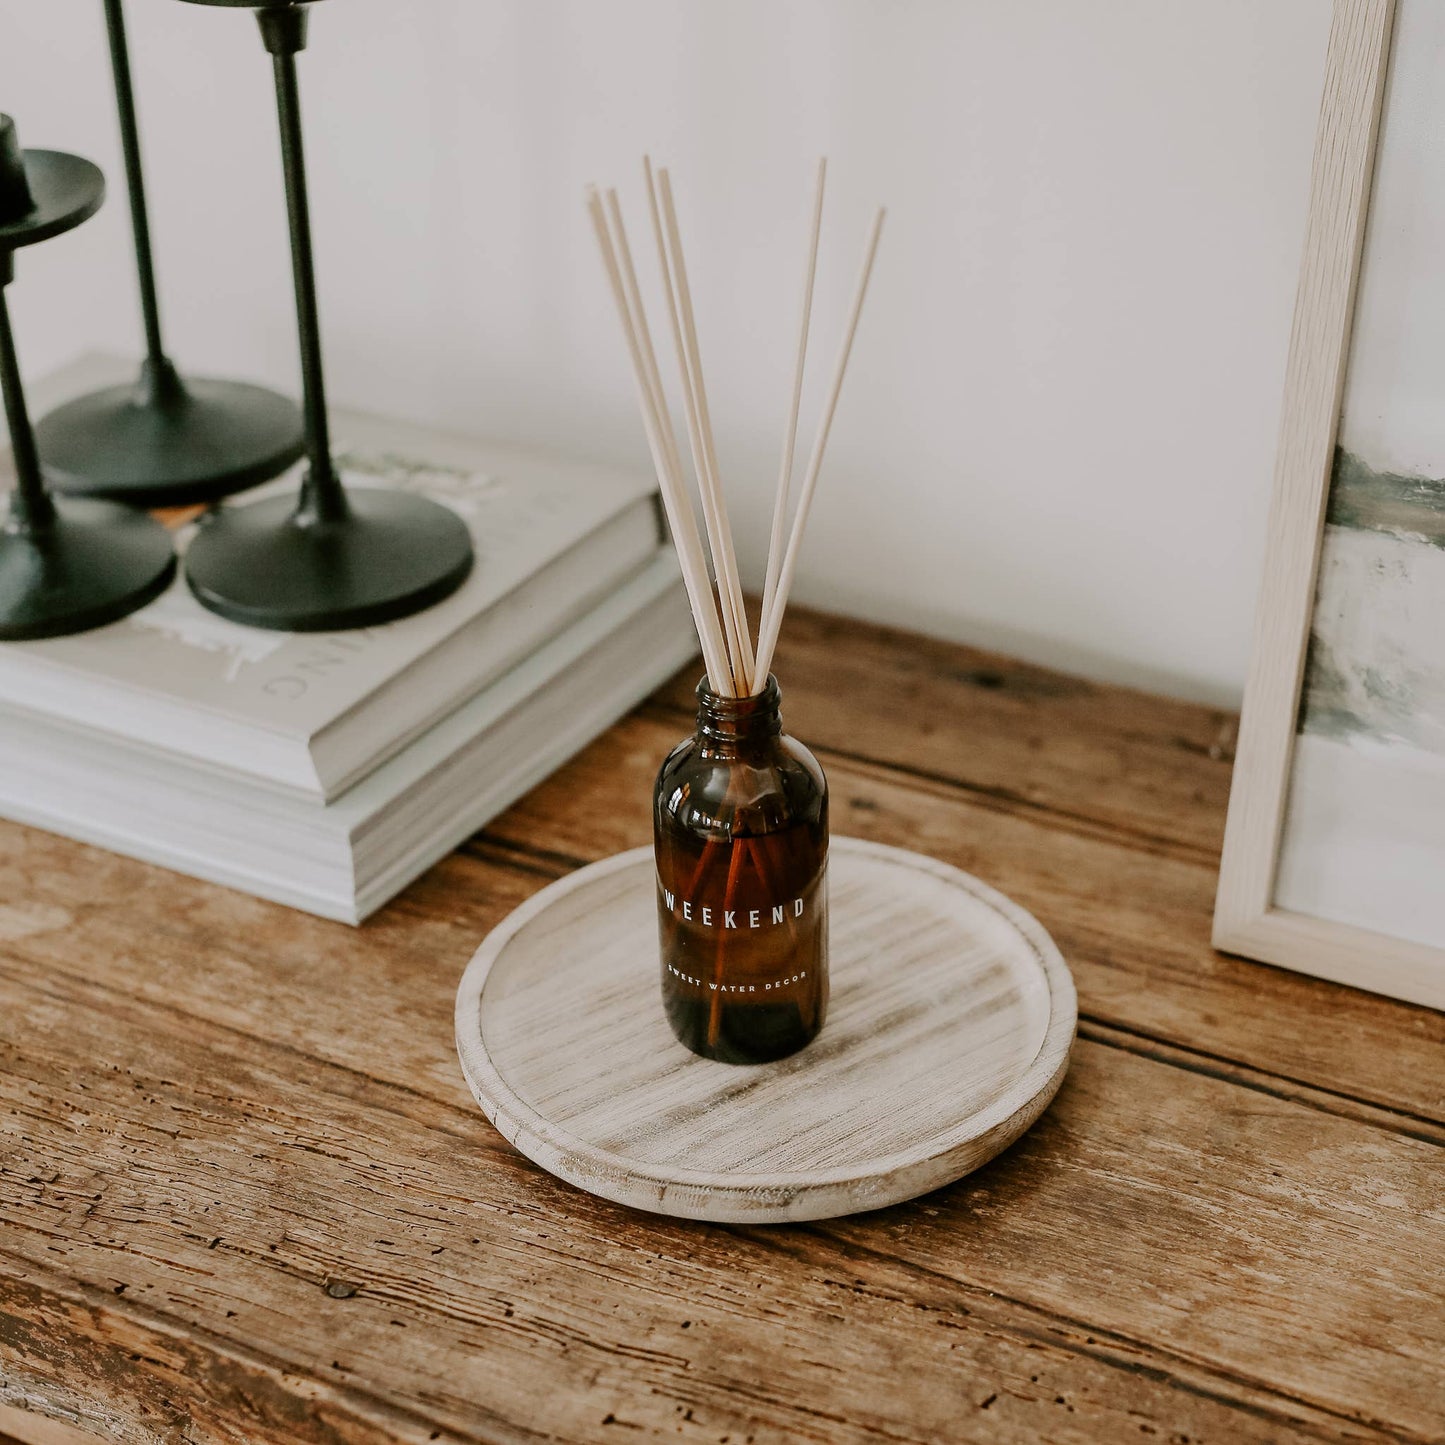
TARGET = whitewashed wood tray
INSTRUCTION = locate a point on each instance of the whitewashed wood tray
(948, 1033)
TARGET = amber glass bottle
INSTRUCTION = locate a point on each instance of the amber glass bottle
(740, 826)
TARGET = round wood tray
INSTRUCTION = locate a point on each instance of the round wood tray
(948, 1033)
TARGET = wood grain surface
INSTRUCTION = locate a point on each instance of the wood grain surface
(245, 1194)
(948, 1033)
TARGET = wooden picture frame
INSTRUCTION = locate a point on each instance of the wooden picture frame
(1246, 920)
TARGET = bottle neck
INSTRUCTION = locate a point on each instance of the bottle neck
(734, 725)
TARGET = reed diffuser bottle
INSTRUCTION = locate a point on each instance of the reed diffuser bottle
(740, 826)
(740, 811)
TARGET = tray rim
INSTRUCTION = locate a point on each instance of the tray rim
(761, 1197)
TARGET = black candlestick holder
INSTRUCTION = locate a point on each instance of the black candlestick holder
(65, 565)
(333, 559)
(161, 441)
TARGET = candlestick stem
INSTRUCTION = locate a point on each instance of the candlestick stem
(160, 440)
(330, 560)
(283, 29)
(31, 509)
(135, 186)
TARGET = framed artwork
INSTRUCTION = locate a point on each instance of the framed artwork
(1334, 854)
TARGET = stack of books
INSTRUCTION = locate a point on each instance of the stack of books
(327, 770)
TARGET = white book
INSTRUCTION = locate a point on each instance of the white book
(346, 859)
(312, 713)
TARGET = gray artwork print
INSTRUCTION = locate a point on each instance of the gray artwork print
(1375, 665)
(1364, 828)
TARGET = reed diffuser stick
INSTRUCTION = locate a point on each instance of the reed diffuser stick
(644, 332)
(714, 509)
(772, 622)
(790, 437)
(734, 669)
(729, 579)
(657, 425)
(664, 415)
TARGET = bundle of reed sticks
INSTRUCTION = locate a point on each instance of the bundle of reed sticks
(735, 667)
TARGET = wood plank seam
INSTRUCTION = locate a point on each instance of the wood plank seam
(1099, 1027)
(1048, 1333)
(1094, 1026)
(484, 850)
(1261, 1081)
(387, 1413)
(26, 966)
(344, 1391)
(520, 857)
(1000, 799)
(990, 1293)
(1220, 749)
(1006, 800)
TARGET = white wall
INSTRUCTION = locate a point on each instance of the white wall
(1058, 432)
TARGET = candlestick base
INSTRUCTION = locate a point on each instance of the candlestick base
(92, 564)
(161, 442)
(268, 565)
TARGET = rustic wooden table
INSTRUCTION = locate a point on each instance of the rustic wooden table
(245, 1195)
